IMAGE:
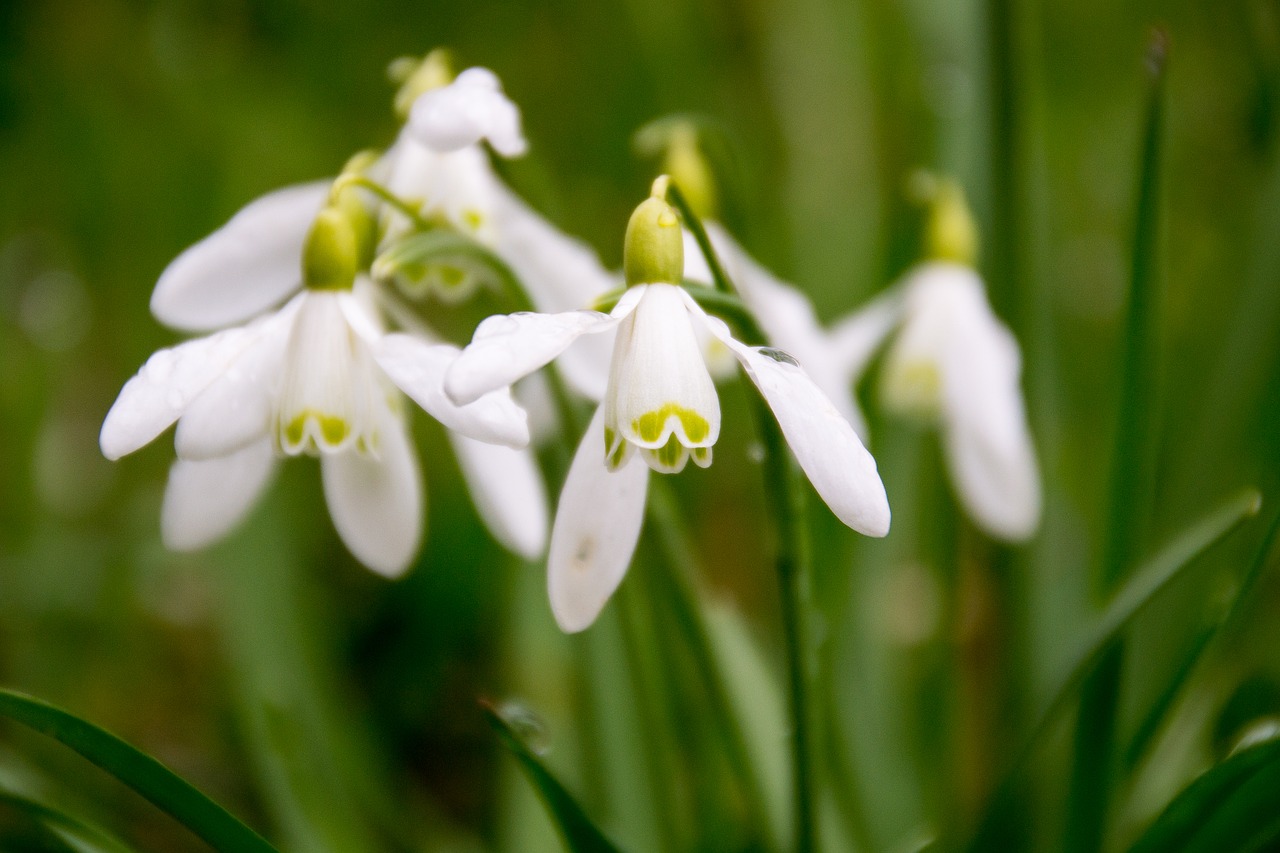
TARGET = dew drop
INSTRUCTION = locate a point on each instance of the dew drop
(527, 724)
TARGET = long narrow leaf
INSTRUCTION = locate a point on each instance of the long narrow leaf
(139, 771)
(73, 833)
(580, 834)
(1232, 806)
(1152, 577)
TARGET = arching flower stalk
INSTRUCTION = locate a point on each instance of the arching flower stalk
(660, 410)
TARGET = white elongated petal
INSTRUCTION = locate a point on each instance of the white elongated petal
(459, 185)
(787, 318)
(854, 339)
(824, 443)
(658, 384)
(989, 447)
(507, 490)
(235, 410)
(245, 267)
(594, 536)
(166, 385)
(509, 346)
(418, 368)
(206, 499)
(376, 500)
(471, 108)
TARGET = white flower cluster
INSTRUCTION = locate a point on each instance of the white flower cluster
(310, 348)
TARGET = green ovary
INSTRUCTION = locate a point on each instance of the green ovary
(650, 425)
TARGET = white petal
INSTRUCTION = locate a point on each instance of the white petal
(166, 385)
(853, 340)
(509, 346)
(597, 525)
(839, 467)
(988, 442)
(507, 490)
(419, 368)
(204, 500)
(459, 185)
(787, 318)
(236, 408)
(245, 267)
(471, 108)
(658, 383)
(376, 502)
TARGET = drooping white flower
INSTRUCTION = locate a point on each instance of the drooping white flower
(954, 362)
(319, 376)
(660, 406)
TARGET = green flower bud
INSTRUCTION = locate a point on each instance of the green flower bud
(950, 232)
(415, 77)
(691, 171)
(330, 257)
(353, 204)
(654, 249)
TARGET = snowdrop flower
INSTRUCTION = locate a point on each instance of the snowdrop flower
(319, 376)
(438, 161)
(660, 410)
(954, 363)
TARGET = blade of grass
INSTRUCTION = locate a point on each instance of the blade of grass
(1231, 806)
(1090, 786)
(1159, 712)
(139, 771)
(75, 834)
(1152, 577)
(580, 834)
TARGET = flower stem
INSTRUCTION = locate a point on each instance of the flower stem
(694, 224)
(383, 193)
(786, 503)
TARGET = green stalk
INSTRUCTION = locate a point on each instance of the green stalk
(785, 500)
(1091, 782)
(694, 224)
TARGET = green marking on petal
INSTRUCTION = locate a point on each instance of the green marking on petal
(615, 457)
(333, 429)
(915, 388)
(650, 425)
(670, 458)
(701, 456)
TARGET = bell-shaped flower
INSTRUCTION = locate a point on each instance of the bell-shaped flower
(955, 363)
(322, 377)
(660, 410)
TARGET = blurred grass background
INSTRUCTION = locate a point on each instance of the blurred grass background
(338, 711)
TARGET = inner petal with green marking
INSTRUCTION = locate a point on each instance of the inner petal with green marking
(672, 419)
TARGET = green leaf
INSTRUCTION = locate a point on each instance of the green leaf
(139, 771)
(76, 835)
(1146, 583)
(1232, 806)
(580, 834)
(1132, 465)
(1160, 708)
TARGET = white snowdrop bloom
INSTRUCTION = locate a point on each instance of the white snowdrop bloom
(660, 408)
(439, 164)
(954, 362)
(832, 357)
(322, 377)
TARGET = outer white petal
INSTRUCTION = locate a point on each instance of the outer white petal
(509, 346)
(204, 500)
(418, 368)
(376, 502)
(166, 385)
(988, 442)
(507, 490)
(854, 339)
(471, 108)
(828, 450)
(245, 267)
(597, 526)
(236, 409)
(658, 384)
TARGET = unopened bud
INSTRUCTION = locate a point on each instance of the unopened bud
(950, 232)
(691, 172)
(654, 249)
(415, 77)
